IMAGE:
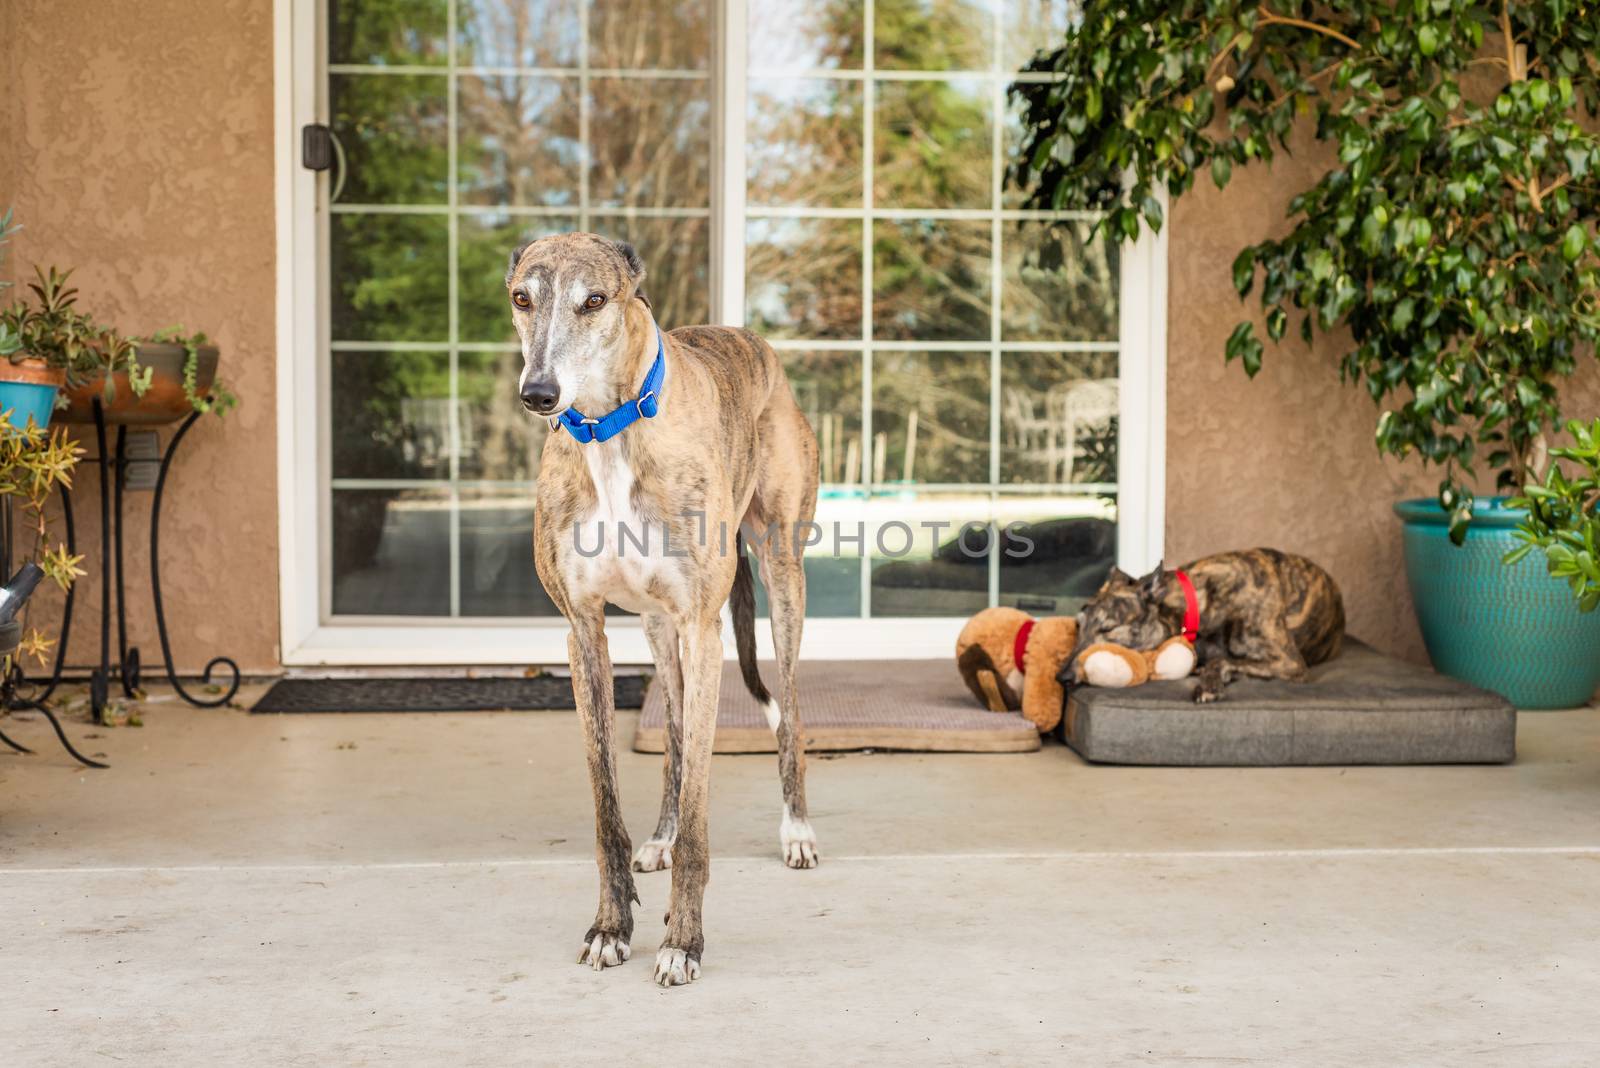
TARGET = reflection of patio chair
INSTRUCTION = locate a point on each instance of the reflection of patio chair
(1075, 408)
(1049, 441)
(427, 423)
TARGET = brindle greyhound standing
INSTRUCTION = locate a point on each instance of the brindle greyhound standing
(703, 434)
(1263, 613)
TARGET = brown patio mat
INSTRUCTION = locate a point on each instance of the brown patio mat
(856, 704)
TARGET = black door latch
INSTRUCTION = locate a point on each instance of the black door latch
(316, 147)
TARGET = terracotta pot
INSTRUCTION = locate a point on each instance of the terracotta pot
(34, 372)
(163, 402)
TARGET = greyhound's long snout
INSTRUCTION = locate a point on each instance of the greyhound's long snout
(541, 396)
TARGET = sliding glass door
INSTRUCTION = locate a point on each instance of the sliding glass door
(829, 173)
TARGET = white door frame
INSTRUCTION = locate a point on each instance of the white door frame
(310, 638)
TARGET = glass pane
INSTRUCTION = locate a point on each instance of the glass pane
(1012, 136)
(1058, 285)
(919, 567)
(930, 417)
(524, 33)
(409, 33)
(519, 141)
(804, 142)
(1032, 25)
(932, 145)
(677, 262)
(391, 415)
(1058, 551)
(1058, 417)
(833, 578)
(500, 441)
(651, 142)
(389, 277)
(803, 277)
(650, 34)
(934, 34)
(395, 133)
(827, 387)
(390, 549)
(497, 573)
(930, 279)
(785, 35)
(483, 250)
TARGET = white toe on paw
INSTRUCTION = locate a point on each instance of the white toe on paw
(604, 951)
(798, 840)
(674, 967)
(654, 855)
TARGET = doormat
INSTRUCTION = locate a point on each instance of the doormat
(434, 694)
(919, 705)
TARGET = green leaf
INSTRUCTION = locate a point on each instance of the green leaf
(1244, 271)
(1573, 244)
(1427, 40)
(1221, 170)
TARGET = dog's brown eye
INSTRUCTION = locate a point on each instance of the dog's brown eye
(520, 299)
(594, 301)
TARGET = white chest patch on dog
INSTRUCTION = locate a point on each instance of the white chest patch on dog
(620, 553)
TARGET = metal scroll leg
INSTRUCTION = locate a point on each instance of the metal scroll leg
(127, 659)
(66, 743)
(99, 681)
(155, 589)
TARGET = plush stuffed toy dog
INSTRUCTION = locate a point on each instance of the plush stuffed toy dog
(1009, 661)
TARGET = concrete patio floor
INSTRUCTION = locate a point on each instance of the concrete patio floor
(352, 890)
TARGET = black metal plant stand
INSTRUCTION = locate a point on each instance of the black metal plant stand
(128, 669)
(128, 665)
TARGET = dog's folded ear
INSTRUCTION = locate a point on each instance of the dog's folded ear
(1116, 578)
(1150, 585)
(635, 262)
(516, 254)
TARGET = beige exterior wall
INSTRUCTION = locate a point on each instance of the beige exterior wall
(137, 147)
(138, 150)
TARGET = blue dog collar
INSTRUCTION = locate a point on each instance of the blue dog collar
(646, 406)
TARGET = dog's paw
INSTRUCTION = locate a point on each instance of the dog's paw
(654, 855)
(602, 950)
(1204, 695)
(674, 967)
(799, 842)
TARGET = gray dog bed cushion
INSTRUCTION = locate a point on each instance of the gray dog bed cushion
(1360, 708)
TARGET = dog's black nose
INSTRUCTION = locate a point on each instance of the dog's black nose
(540, 397)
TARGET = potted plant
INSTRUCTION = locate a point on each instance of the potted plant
(139, 381)
(1561, 522)
(1449, 246)
(53, 333)
(28, 385)
(171, 374)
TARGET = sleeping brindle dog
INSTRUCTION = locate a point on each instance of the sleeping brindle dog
(1263, 614)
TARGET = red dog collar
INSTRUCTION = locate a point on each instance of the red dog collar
(1191, 608)
(1020, 645)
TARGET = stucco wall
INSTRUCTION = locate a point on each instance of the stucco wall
(1287, 459)
(137, 150)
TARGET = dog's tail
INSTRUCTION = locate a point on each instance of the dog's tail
(742, 605)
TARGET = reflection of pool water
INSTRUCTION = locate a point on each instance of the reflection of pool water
(922, 573)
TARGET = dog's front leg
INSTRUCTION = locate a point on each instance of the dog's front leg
(1265, 650)
(678, 960)
(607, 942)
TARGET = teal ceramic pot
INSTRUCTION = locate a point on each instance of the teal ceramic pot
(1514, 630)
(28, 391)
